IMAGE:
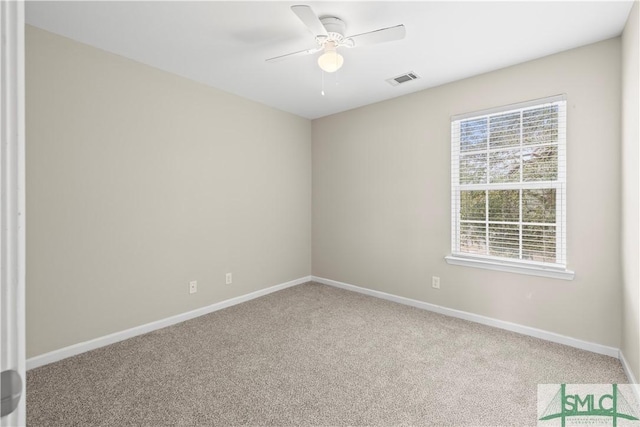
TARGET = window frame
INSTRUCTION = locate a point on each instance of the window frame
(558, 269)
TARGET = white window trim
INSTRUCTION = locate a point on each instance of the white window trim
(520, 267)
(507, 265)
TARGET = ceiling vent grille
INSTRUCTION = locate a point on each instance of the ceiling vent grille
(403, 78)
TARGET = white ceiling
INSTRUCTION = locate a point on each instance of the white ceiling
(225, 43)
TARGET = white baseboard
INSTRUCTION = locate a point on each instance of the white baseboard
(63, 353)
(513, 327)
(93, 344)
(632, 378)
(627, 370)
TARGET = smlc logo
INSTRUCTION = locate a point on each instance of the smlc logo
(587, 404)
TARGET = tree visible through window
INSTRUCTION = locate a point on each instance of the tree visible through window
(509, 184)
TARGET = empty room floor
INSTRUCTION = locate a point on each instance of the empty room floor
(312, 355)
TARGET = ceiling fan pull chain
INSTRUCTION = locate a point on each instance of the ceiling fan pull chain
(322, 91)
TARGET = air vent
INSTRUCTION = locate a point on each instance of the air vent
(403, 78)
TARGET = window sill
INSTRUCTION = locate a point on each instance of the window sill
(532, 270)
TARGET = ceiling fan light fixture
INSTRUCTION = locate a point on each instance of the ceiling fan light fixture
(330, 61)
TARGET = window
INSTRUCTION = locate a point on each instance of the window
(508, 189)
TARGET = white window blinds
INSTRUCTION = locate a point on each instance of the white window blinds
(508, 182)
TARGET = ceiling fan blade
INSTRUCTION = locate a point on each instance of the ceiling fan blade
(294, 54)
(310, 19)
(379, 36)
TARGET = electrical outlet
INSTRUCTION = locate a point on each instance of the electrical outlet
(435, 282)
(193, 287)
(229, 279)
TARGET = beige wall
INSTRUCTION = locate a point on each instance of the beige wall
(381, 197)
(630, 345)
(139, 181)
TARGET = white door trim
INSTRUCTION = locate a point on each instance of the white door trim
(12, 203)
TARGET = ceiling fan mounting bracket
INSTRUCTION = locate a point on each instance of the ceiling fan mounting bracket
(335, 30)
(333, 24)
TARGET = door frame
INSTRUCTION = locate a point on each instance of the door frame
(12, 198)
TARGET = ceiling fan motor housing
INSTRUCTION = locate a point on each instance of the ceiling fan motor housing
(335, 27)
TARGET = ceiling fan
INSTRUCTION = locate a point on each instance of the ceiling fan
(329, 35)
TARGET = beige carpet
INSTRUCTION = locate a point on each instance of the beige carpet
(311, 355)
